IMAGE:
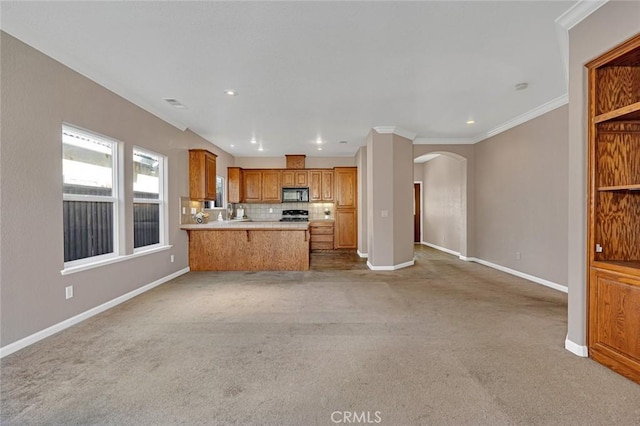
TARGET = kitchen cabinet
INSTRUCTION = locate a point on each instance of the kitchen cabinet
(322, 233)
(271, 187)
(321, 185)
(345, 193)
(202, 174)
(345, 187)
(252, 186)
(294, 178)
(235, 185)
(346, 229)
(613, 209)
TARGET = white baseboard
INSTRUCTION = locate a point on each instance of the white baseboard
(364, 255)
(535, 279)
(532, 278)
(575, 348)
(390, 268)
(35, 337)
(446, 250)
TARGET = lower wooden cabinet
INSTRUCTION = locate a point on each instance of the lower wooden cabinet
(346, 234)
(614, 321)
(321, 235)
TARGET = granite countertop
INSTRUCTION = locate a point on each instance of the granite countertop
(244, 225)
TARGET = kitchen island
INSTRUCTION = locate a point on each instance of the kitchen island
(248, 246)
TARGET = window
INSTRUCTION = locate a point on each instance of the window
(148, 199)
(90, 195)
(219, 191)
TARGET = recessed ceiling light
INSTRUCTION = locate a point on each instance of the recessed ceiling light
(470, 121)
(232, 145)
(319, 148)
(319, 141)
(253, 140)
(261, 149)
(231, 92)
(522, 86)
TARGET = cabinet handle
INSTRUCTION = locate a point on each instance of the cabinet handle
(248, 235)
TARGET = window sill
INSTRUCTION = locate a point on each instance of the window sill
(87, 266)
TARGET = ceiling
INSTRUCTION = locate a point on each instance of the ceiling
(309, 70)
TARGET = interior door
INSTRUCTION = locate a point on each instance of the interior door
(416, 213)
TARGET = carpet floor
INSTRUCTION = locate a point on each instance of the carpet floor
(444, 342)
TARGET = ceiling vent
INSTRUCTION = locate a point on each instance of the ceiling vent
(174, 103)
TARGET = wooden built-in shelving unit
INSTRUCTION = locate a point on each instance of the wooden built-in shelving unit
(614, 209)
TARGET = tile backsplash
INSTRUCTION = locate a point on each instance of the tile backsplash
(265, 212)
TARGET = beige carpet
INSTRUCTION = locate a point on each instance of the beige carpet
(442, 343)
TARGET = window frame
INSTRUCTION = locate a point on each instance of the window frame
(115, 198)
(161, 201)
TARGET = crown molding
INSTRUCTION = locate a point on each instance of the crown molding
(396, 131)
(569, 19)
(444, 141)
(523, 118)
(578, 12)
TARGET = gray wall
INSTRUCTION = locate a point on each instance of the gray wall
(442, 202)
(521, 197)
(38, 95)
(361, 162)
(610, 25)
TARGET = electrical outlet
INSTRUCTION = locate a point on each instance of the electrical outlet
(193, 210)
(184, 210)
(271, 210)
(172, 258)
(68, 291)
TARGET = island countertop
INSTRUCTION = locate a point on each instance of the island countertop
(246, 225)
(248, 246)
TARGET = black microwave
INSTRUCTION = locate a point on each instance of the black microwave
(295, 195)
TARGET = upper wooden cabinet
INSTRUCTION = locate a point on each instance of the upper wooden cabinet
(202, 174)
(294, 178)
(614, 209)
(271, 187)
(235, 185)
(252, 186)
(321, 185)
(345, 187)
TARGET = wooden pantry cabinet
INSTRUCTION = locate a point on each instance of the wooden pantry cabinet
(614, 209)
(202, 174)
(345, 193)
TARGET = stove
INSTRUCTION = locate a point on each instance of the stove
(295, 216)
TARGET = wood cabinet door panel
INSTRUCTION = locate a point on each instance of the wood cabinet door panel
(211, 177)
(288, 178)
(615, 313)
(315, 185)
(271, 187)
(327, 185)
(345, 187)
(252, 186)
(346, 228)
(235, 185)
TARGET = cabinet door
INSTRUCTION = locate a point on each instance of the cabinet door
(252, 186)
(211, 177)
(315, 185)
(271, 188)
(235, 185)
(301, 178)
(327, 185)
(202, 175)
(346, 229)
(614, 321)
(288, 178)
(345, 187)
